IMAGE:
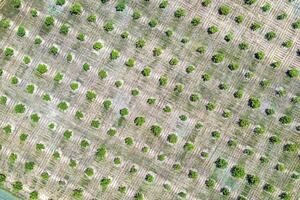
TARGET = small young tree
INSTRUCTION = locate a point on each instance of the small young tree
(76, 9)
(180, 12)
(218, 58)
(213, 29)
(237, 171)
(224, 10)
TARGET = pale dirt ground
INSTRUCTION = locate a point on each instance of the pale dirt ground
(148, 87)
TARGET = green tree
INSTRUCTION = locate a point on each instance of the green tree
(156, 130)
(21, 32)
(17, 4)
(139, 121)
(20, 108)
(60, 2)
(269, 188)
(64, 29)
(210, 183)
(29, 166)
(270, 35)
(49, 21)
(221, 163)
(120, 6)
(77, 193)
(90, 95)
(224, 10)
(260, 55)
(34, 195)
(292, 73)
(17, 186)
(218, 58)
(188, 146)
(213, 29)
(249, 2)
(42, 69)
(286, 119)
(108, 26)
(243, 123)
(266, 7)
(172, 138)
(163, 4)
(252, 179)
(101, 153)
(237, 171)
(254, 102)
(8, 52)
(180, 12)
(76, 9)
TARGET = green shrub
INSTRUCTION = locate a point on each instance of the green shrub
(108, 26)
(20, 108)
(140, 43)
(21, 32)
(139, 121)
(49, 21)
(213, 29)
(91, 18)
(296, 24)
(249, 2)
(136, 15)
(269, 188)
(35, 118)
(29, 166)
(210, 183)
(95, 123)
(62, 105)
(286, 119)
(221, 163)
(188, 146)
(292, 73)
(260, 55)
(129, 141)
(153, 22)
(180, 12)
(100, 153)
(42, 68)
(120, 6)
(218, 58)
(60, 2)
(146, 71)
(76, 9)
(172, 138)
(196, 21)
(157, 51)
(270, 35)
(163, 4)
(16, 3)
(282, 16)
(97, 46)
(90, 95)
(163, 80)
(64, 29)
(266, 7)
(156, 130)
(224, 10)
(239, 19)
(80, 36)
(237, 172)
(243, 123)
(115, 54)
(8, 52)
(255, 26)
(254, 102)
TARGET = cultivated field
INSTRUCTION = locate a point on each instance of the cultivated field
(150, 99)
